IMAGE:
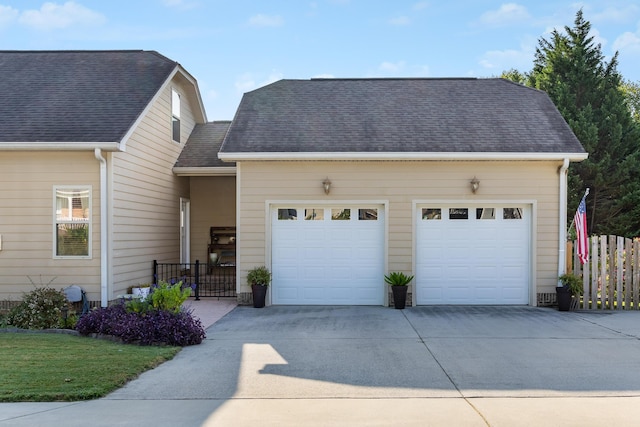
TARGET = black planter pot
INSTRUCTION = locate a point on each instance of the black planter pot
(259, 295)
(563, 295)
(399, 296)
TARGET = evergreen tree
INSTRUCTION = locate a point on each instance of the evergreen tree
(631, 92)
(587, 91)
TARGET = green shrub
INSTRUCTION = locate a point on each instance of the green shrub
(163, 296)
(573, 283)
(259, 276)
(398, 278)
(39, 309)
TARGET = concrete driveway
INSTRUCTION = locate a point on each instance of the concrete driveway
(441, 366)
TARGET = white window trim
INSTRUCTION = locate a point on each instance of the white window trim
(176, 95)
(56, 222)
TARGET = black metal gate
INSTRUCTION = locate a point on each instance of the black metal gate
(218, 281)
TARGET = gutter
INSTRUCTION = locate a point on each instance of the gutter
(562, 220)
(58, 146)
(205, 171)
(104, 297)
(397, 156)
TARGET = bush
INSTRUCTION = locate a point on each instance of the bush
(169, 297)
(148, 328)
(39, 309)
(163, 296)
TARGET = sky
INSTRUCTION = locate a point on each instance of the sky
(233, 47)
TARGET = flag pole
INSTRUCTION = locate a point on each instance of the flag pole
(586, 193)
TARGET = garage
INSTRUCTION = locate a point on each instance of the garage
(327, 255)
(473, 254)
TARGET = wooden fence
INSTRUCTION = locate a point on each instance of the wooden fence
(611, 277)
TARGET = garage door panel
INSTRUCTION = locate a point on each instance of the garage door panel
(337, 261)
(313, 292)
(475, 260)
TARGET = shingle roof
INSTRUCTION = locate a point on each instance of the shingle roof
(76, 96)
(398, 115)
(201, 149)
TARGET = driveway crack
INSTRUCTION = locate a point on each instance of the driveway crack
(444, 371)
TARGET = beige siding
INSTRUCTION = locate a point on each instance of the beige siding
(146, 194)
(400, 184)
(213, 204)
(27, 180)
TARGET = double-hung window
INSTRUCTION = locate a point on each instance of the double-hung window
(175, 115)
(72, 221)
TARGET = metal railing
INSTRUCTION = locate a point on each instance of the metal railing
(209, 281)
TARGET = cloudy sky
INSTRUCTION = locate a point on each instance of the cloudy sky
(232, 47)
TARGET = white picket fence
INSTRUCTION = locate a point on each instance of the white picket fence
(611, 277)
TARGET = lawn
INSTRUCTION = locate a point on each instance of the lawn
(58, 367)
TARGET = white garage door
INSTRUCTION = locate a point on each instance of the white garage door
(473, 254)
(327, 255)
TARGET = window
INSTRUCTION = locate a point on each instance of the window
(512, 213)
(431, 213)
(316, 214)
(370, 214)
(287, 214)
(72, 221)
(458, 213)
(340, 214)
(485, 213)
(175, 115)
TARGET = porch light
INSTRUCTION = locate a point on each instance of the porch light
(326, 184)
(475, 184)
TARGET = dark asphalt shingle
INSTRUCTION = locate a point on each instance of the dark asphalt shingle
(76, 96)
(398, 115)
(201, 149)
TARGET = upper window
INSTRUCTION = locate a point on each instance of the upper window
(175, 115)
(72, 221)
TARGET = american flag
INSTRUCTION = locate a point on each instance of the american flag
(580, 221)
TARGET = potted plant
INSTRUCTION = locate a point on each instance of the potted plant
(569, 292)
(141, 291)
(259, 279)
(399, 284)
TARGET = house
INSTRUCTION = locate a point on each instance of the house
(88, 143)
(108, 162)
(461, 182)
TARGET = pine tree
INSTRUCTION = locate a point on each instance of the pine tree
(587, 91)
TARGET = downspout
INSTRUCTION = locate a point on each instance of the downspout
(104, 298)
(562, 220)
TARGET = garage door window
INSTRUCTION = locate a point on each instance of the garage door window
(485, 213)
(287, 214)
(341, 214)
(314, 214)
(458, 213)
(367, 214)
(512, 213)
(431, 214)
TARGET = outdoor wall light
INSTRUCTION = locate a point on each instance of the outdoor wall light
(326, 184)
(475, 184)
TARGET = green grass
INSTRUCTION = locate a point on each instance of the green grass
(59, 367)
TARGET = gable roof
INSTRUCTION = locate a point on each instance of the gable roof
(398, 118)
(77, 96)
(200, 153)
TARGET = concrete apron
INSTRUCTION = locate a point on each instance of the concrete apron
(380, 366)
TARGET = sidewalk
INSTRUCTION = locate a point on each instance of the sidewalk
(210, 310)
